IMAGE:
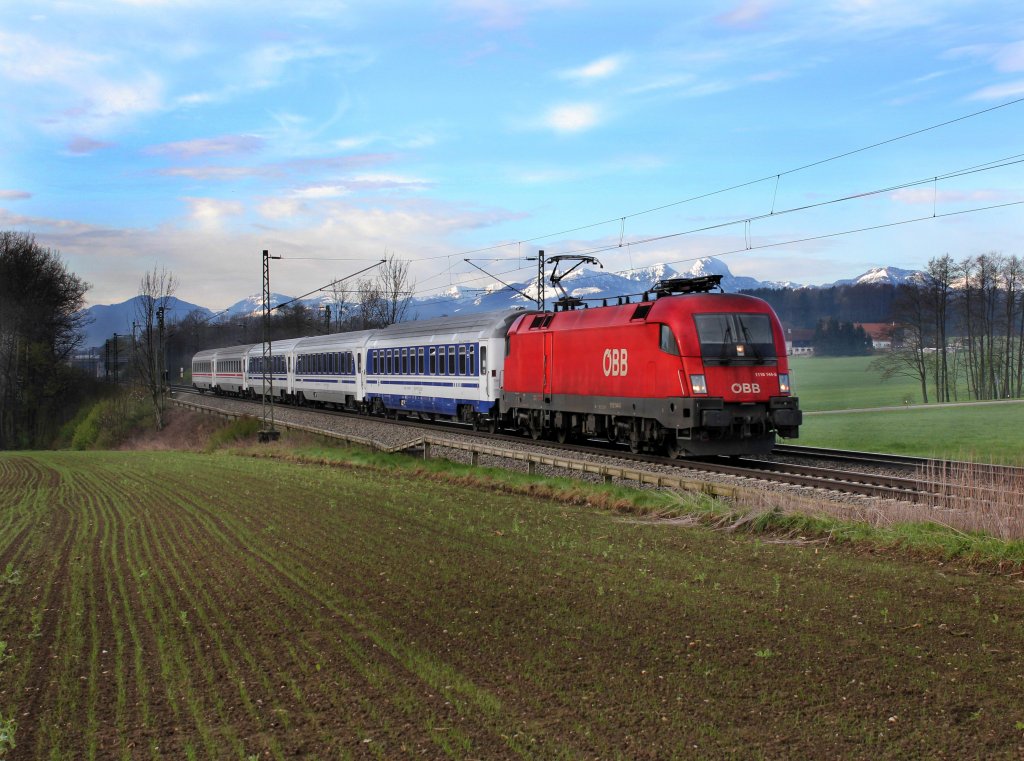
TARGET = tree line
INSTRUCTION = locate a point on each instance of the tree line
(961, 331)
(40, 328)
(807, 307)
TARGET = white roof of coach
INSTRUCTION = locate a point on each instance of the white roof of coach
(232, 352)
(282, 346)
(461, 327)
(355, 339)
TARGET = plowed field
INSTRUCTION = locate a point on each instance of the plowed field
(169, 605)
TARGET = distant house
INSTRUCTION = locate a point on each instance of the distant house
(798, 341)
(880, 332)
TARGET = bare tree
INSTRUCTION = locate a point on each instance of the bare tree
(368, 308)
(155, 292)
(341, 297)
(1012, 277)
(910, 357)
(394, 290)
(938, 295)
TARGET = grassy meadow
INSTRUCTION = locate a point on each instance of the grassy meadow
(174, 605)
(844, 383)
(982, 432)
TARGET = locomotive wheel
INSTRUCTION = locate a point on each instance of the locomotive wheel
(672, 448)
(492, 425)
(535, 429)
(562, 435)
(634, 442)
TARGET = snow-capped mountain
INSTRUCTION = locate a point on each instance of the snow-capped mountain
(884, 275)
(252, 305)
(585, 282)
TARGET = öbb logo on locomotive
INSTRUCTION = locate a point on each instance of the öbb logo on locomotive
(615, 362)
(746, 388)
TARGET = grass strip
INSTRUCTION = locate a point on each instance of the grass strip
(774, 515)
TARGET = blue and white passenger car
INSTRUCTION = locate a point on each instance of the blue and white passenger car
(448, 367)
(329, 369)
(279, 373)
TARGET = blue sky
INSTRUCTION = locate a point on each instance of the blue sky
(192, 134)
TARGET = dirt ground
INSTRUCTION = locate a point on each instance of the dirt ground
(184, 430)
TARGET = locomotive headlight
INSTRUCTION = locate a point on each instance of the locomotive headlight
(698, 384)
(783, 383)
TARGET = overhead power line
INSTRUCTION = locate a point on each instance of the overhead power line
(325, 287)
(622, 217)
(823, 236)
(746, 221)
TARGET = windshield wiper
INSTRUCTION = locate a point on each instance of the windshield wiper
(750, 343)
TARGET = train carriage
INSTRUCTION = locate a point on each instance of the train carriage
(329, 369)
(202, 370)
(697, 374)
(447, 367)
(220, 370)
(278, 374)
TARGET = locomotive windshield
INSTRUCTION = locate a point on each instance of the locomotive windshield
(735, 337)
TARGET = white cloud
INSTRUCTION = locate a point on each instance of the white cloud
(572, 117)
(1004, 58)
(388, 180)
(306, 167)
(225, 144)
(281, 208)
(221, 173)
(210, 213)
(14, 195)
(24, 58)
(85, 146)
(999, 92)
(921, 196)
(544, 176)
(668, 82)
(599, 69)
(322, 191)
(746, 14)
(1010, 57)
(99, 96)
(354, 143)
(417, 141)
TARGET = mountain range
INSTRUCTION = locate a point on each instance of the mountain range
(581, 283)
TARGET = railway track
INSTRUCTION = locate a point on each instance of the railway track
(820, 471)
(906, 463)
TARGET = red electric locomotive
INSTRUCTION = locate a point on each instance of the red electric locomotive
(685, 371)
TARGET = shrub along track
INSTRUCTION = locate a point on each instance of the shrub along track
(216, 607)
